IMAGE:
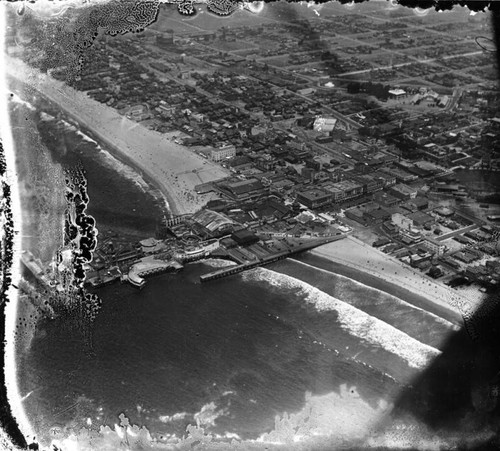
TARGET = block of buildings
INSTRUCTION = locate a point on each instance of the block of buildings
(356, 214)
(434, 246)
(403, 191)
(315, 198)
(242, 190)
(377, 216)
(410, 236)
(346, 189)
(402, 221)
(444, 212)
(324, 124)
(401, 175)
(389, 179)
(213, 222)
(370, 184)
(244, 237)
(386, 199)
(417, 204)
(420, 219)
(223, 152)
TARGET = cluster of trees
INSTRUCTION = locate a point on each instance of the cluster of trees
(327, 55)
(378, 90)
(407, 146)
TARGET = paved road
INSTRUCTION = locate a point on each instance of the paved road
(457, 232)
(457, 93)
(409, 63)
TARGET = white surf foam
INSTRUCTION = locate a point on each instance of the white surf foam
(371, 330)
(112, 162)
(393, 299)
(86, 137)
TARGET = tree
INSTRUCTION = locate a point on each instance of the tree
(364, 131)
(353, 87)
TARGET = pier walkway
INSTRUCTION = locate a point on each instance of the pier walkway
(225, 272)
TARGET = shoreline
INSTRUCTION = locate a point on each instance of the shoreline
(354, 254)
(121, 157)
(161, 162)
(321, 263)
(115, 152)
(350, 253)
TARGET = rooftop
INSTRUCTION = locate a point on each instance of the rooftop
(346, 184)
(314, 193)
(402, 188)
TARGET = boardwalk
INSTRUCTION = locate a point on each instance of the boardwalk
(225, 272)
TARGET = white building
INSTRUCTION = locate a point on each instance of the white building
(402, 221)
(324, 124)
(437, 247)
(222, 152)
(397, 92)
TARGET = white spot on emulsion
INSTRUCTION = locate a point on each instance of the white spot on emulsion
(255, 7)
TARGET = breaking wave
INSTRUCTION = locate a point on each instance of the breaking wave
(109, 159)
(87, 138)
(383, 296)
(115, 164)
(356, 322)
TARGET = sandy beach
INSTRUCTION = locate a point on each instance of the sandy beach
(355, 254)
(173, 168)
(176, 171)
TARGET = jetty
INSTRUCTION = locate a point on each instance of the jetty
(271, 258)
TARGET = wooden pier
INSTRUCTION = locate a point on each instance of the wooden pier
(229, 271)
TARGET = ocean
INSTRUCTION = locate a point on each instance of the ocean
(120, 198)
(230, 355)
(164, 354)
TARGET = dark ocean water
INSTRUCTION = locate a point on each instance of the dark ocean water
(410, 315)
(241, 350)
(115, 199)
(178, 345)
